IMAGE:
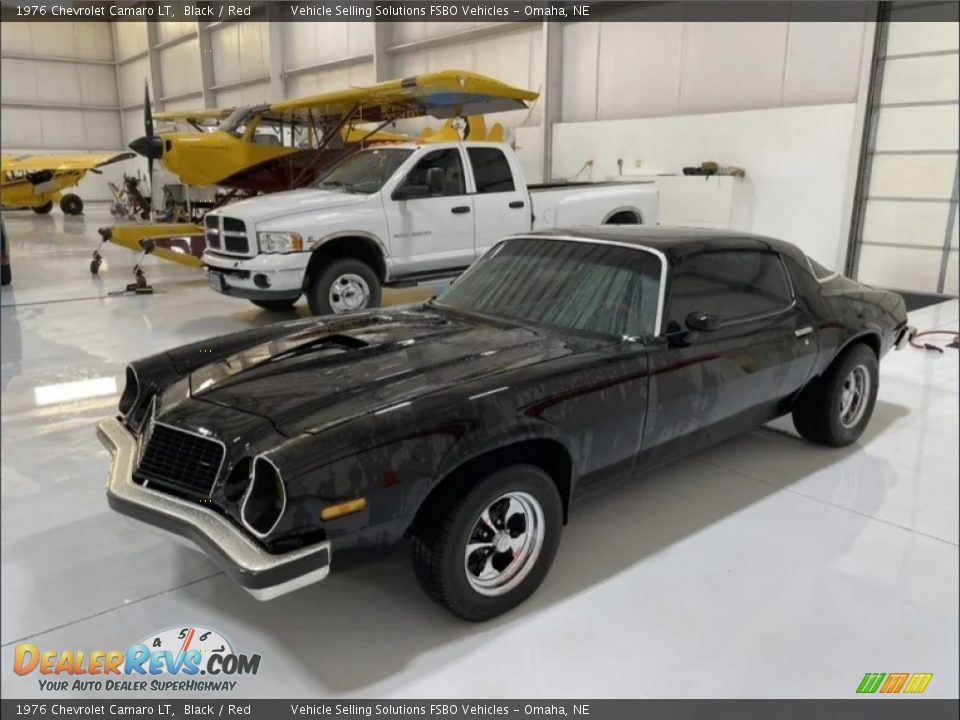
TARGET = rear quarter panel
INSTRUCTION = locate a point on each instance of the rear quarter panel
(561, 207)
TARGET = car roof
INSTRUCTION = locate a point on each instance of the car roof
(674, 242)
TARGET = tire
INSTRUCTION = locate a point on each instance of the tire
(350, 273)
(438, 543)
(276, 305)
(71, 204)
(43, 209)
(826, 413)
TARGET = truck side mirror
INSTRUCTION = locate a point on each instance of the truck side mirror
(703, 322)
(435, 178)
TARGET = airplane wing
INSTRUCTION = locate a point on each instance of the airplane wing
(74, 161)
(199, 116)
(443, 94)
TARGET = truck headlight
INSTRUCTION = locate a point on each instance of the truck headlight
(280, 242)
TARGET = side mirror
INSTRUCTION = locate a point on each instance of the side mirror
(702, 321)
(435, 177)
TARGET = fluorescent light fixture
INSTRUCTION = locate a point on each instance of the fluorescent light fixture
(77, 390)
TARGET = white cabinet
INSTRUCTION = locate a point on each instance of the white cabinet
(717, 201)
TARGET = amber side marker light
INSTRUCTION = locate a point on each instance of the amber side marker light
(332, 512)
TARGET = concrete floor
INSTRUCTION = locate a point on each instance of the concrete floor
(766, 567)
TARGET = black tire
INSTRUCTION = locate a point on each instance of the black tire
(439, 540)
(95, 266)
(276, 305)
(43, 209)
(324, 276)
(819, 414)
(71, 204)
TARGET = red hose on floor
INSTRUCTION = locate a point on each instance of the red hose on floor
(931, 346)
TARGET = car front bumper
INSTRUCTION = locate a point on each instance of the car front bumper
(261, 277)
(262, 574)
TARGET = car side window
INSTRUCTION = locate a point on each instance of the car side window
(491, 170)
(731, 284)
(449, 162)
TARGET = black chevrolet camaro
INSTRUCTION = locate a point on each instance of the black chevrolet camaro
(470, 423)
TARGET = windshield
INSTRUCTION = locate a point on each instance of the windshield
(581, 286)
(364, 172)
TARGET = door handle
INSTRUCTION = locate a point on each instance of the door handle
(517, 204)
(460, 209)
(802, 332)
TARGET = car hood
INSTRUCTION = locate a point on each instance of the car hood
(259, 210)
(317, 377)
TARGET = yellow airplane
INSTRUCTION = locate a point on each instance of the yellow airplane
(36, 181)
(290, 144)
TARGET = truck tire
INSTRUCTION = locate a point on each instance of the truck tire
(836, 408)
(513, 518)
(276, 305)
(342, 286)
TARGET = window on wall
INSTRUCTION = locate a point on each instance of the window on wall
(490, 170)
(904, 233)
(731, 284)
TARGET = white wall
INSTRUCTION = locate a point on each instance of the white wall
(59, 92)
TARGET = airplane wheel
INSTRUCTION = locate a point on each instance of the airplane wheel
(43, 209)
(71, 204)
(95, 265)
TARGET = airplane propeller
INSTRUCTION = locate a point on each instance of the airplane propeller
(150, 145)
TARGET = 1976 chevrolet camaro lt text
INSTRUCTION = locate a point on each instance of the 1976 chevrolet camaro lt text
(470, 423)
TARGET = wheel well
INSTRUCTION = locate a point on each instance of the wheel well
(871, 340)
(624, 217)
(548, 455)
(353, 246)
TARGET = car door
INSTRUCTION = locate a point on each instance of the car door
(501, 207)
(735, 347)
(430, 221)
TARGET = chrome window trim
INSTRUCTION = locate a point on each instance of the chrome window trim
(661, 292)
(246, 496)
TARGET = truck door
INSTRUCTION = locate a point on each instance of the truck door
(430, 216)
(501, 206)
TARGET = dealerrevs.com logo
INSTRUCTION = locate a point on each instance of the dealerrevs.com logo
(169, 661)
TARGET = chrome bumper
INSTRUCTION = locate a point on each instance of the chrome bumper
(905, 336)
(262, 574)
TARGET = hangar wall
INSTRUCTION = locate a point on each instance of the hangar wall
(656, 95)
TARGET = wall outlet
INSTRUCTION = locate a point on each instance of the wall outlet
(638, 163)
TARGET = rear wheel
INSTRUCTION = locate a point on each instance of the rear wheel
(277, 305)
(835, 410)
(43, 209)
(343, 286)
(491, 548)
(71, 204)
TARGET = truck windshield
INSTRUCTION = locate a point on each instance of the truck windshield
(364, 172)
(586, 287)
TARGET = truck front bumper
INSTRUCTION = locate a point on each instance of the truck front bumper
(262, 574)
(262, 277)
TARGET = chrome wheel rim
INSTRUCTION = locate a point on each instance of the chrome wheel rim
(504, 544)
(854, 396)
(348, 292)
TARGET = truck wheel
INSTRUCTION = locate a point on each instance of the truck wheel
(343, 286)
(493, 547)
(284, 304)
(43, 209)
(71, 204)
(835, 410)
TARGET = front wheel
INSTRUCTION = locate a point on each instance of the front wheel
(43, 209)
(276, 305)
(343, 286)
(493, 547)
(835, 410)
(71, 204)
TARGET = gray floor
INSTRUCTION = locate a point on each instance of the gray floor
(765, 567)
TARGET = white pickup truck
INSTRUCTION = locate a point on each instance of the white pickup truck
(396, 215)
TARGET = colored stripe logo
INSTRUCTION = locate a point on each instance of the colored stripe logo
(893, 683)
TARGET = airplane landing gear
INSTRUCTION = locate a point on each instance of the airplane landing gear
(97, 260)
(71, 204)
(140, 285)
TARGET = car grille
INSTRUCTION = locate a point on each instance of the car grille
(180, 460)
(226, 234)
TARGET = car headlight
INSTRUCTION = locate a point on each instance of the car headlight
(280, 242)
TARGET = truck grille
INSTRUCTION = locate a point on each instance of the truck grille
(226, 234)
(182, 461)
